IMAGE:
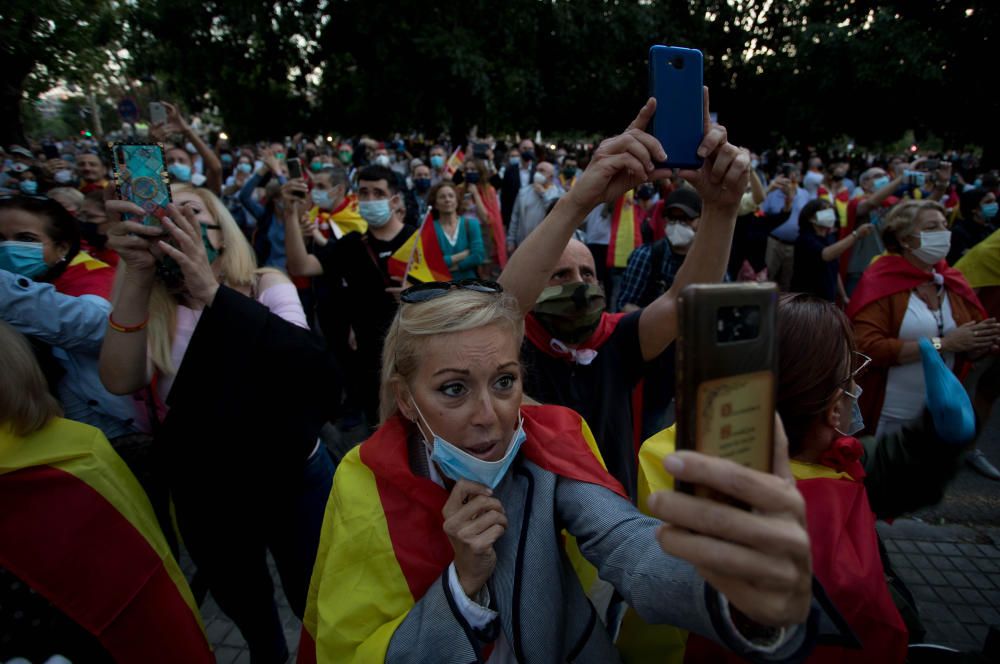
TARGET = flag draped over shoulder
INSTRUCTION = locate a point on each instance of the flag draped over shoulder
(420, 258)
(86, 275)
(81, 533)
(891, 274)
(981, 264)
(625, 232)
(340, 221)
(383, 542)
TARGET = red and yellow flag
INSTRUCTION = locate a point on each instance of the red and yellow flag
(341, 221)
(81, 533)
(420, 259)
(383, 542)
(625, 232)
(455, 161)
(86, 275)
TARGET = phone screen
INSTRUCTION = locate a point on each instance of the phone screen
(294, 168)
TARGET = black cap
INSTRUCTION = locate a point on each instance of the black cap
(686, 200)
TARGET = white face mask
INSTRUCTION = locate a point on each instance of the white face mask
(826, 218)
(540, 178)
(934, 246)
(679, 235)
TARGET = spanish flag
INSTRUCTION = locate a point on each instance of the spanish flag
(455, 161)
(981, 264)
(420, 259)
(341, 221)
(78, 529)
(86, 275)
(625, 232)
(846, 562)
(383, 542)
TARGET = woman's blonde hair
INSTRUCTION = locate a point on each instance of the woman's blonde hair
(238, 266)
(902, 220)
(26, 405)
(457, 311)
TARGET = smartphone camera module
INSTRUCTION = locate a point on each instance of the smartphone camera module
(677, 63)
(736, 324)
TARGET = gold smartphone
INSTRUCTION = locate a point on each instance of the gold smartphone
(727, 374)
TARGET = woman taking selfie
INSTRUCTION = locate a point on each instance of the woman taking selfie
(237, 392)
(442, 538)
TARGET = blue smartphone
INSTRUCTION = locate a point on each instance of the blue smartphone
(141, 177)
(676, 79)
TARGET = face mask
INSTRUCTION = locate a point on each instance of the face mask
(29, 187)
(990, 210)
(316, 166)
(825, 218)
(280, 156)
(437, 162)
(857, 421)
(457, 464)
(227, 159)
(754, 163)
(422, 184)
(934, 246)
(527, 156)
(19, 167)
(570, 312)
(878, 183)
(472, 177)
(322, 198)
(24, 258)
(569, 173)
(181, 172)
(644, 193)
(346, 156)
(210, 251)
(376, 213)
(245, 168)
(978, 183)
(679, 235)
(515, 161)
(383, 160)
(540, 178)
(63, 177)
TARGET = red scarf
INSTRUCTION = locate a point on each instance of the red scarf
(542, 340)
(894, 274)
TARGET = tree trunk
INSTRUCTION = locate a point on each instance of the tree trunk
(11, 128)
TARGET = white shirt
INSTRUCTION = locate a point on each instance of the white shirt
(905, 395)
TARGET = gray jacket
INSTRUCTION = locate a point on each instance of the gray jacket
(543, 611)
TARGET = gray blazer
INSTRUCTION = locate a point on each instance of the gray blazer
(543, 611)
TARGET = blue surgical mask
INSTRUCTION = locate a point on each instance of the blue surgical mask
(29, 187)
(437, 162)
(245, 168)
(990, 210)
(181, 172)
(458, 464)
(210, 251)
(321, 198)
(878, 183)
(376, 213)
(857, 421)
(227, 158)
(24, 258)
(422, 184)
(515, 161)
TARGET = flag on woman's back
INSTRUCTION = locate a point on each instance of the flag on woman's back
(420, 259)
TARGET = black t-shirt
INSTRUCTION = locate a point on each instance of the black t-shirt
(600, 392)
(812, 274)
(362, 262)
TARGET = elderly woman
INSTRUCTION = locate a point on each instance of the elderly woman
(442, 539)
(908, 295)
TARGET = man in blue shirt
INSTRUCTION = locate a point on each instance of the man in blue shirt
(785, 197)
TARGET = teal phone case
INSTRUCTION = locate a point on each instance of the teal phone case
(141, 178)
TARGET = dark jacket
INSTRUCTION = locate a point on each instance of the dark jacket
(509, 189)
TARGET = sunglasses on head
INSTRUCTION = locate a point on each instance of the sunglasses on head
(435, 289)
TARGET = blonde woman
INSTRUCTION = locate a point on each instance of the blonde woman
(241, 388)
(84, 571)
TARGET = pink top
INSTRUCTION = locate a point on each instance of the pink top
(283, 301)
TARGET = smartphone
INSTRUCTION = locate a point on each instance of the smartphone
(915, 178)
(727, 375)
(141, 177)
(294, 168)
(676, 79)
(157, 113)
(932, 164)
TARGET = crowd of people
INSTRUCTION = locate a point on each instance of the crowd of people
(497, 321)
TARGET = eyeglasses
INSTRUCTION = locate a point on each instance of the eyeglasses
(859, 362)
(435, 289)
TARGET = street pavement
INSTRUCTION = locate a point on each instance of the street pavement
(948, 556)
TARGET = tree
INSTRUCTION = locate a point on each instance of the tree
(45, 42)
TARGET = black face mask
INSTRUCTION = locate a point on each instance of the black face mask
(644, 193)
(472, 177)
(527, 156)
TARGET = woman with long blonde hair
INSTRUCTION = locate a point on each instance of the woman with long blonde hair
(241, 388)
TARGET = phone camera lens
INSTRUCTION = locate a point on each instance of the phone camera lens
(677, 63)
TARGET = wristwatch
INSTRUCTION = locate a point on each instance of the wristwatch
(936, 342)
